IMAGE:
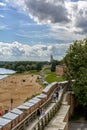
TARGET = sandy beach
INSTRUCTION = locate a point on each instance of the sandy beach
(19, 88)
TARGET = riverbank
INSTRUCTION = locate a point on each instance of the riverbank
(5, 72)
(19, 88)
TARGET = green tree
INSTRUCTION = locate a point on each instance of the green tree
(80, 86)
(53, 66)
(39, 66)
(76, 68)
(33, 66)
(28, 67)
(20, 69)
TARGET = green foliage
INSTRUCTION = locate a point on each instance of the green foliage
(51, 76)
(39, 66)
(53, 65)
(20, 69)
(33, 72)
(46, 70)
(23, 66)
(76, 68)
(76, 57)
(28, 67)
(80, 86)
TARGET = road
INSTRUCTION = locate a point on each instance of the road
(77, 126)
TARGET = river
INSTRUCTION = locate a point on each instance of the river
(5, 72)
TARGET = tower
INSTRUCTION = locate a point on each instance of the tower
(51, 58)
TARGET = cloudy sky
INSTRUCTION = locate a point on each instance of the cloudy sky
(35, 29)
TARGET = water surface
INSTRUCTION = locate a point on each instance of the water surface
(5, 72)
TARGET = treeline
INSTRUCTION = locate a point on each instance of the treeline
(22, 66)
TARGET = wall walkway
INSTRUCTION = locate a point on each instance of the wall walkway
(55, 118)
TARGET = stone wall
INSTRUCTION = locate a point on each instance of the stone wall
(69, 98)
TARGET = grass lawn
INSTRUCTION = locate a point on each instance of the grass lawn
(51, 76)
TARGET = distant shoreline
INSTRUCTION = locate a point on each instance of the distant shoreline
(3, 76)
(5, 72)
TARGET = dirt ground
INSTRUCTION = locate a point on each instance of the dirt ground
(17, 87)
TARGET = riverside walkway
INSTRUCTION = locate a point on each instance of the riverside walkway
(58, 122)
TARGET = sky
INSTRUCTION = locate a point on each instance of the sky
(33, 30)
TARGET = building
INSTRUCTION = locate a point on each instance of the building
(60, 69)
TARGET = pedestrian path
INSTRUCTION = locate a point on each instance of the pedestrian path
(51, 105)
(60, 121)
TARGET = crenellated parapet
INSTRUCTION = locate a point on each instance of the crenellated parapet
(25, 115)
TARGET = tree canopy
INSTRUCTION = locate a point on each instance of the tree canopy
(76, 68)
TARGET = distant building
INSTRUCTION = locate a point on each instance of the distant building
(51, 58)
(60, 69)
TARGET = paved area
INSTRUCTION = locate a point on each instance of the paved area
(46, 111)
(77, 126)
(36, 120)
(57, 123)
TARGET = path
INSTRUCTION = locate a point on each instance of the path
(46, 111)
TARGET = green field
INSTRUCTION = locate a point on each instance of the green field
(51, 76)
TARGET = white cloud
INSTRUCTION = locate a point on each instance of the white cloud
(2, 27)
(18, 51)
(2, 4)
(78, 13)
(1, 16)
(81, 17)
(67, 21)
(64, 35)
(63, 13)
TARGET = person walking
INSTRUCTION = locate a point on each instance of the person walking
(42, 113)
(57, 95)
(38, 113)
(54, 96)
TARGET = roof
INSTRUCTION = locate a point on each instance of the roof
(10, 116)
(36, 98)
(23, 107)
(54, 83)
(63, 82)
(31, 102)
(28, 104)
(17, 111)
(4, 121)
(47, 88)
(42, 96)
(34, 101)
